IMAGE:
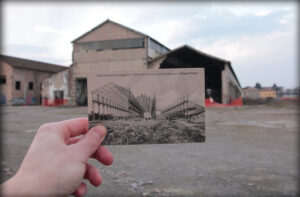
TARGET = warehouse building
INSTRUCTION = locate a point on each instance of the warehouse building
(250, 93)
(21, 80)
(221, 82)
(267, 92)
(112, 101)
(109, 46)
(112, 46)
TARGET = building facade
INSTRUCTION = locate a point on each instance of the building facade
(112, 46)
(220, 80)
(21, 80)
(251, 93)
(267, 93)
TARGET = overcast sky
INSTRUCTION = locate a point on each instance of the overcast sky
(260, 39)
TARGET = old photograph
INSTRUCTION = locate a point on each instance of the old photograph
(148, 106)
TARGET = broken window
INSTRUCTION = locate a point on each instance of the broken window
(129, 43)
(30, 85)
(58, 94)
(81, 91)
(2, 79)
(18, 85)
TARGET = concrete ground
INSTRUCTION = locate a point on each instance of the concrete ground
(249, 151)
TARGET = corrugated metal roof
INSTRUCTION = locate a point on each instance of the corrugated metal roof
(31, 64)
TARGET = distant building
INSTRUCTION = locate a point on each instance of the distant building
(267, 93)
(251, 93)
(21, 80)
(295, 92)
(279, 91)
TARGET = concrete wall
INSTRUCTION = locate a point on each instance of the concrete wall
(6, 89)
(109, 31)
(57, 82)
(251, 93)
(24, 76)
(230, 87)
(108, 59)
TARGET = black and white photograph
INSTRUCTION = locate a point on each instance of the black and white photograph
(148, 106)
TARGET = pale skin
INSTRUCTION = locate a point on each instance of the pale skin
(56, 162)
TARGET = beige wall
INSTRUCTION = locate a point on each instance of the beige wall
(267, 94)
(25, 76)
(6, 89)
(89, 61)
(109, 31)
(108, 60)
(124, 59)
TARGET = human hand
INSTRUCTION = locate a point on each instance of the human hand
(56, 161)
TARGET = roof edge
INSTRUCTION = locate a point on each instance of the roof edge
(202, 53)
(104, 22)
(1, 55)
(123, 26)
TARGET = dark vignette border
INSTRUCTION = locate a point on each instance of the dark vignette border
(170, 1)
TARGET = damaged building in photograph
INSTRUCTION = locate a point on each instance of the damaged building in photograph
(21, 80)
(112, 46)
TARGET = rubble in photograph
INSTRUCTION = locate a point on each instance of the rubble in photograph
(134, 120)
(153, 132)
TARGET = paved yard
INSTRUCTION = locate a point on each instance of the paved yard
(249, 151)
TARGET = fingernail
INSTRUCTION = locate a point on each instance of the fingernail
(100, 131)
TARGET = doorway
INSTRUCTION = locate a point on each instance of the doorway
(81, 91)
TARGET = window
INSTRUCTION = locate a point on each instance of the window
(18, 85)
(2, 79)
(58, 94)
(30, 85)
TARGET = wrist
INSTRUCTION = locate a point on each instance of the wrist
(18, 186)
(27, 184)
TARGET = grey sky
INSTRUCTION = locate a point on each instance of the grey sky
(259, 39)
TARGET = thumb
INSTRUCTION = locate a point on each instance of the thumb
(91, 141)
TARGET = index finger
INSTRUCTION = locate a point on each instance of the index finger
(74, 127)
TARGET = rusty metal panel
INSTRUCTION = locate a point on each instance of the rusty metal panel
(112, 44)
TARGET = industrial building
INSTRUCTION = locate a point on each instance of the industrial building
(21, 80)
(221, 83)
(250, 93)
(111, 46)
(267, 93)
(184, 108)
(116, 101)
(263, 93)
